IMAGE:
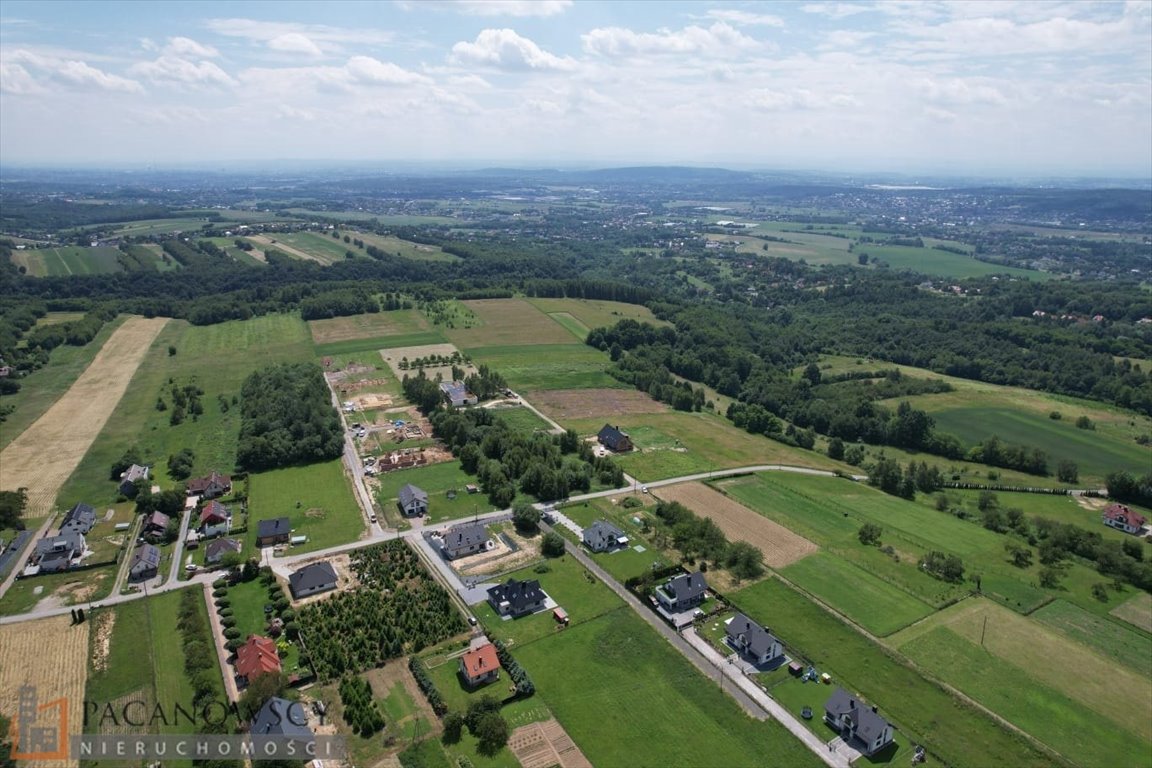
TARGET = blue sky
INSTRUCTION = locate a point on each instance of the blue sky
(970, 87)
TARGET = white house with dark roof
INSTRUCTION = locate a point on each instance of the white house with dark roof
(464, 540)
(517, 598)
(210, 487)
(602, 536)
(457, 394)
(145, 563)
(682, 592)
(860, 726)
(56, 553)
(79, 519)
(752, 641)
(129, 477)
(218, 548)
(413, 501)
(312, 578)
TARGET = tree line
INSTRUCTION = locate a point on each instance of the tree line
(287, 418)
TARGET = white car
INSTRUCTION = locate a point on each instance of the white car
(643, 489)
(191, 567)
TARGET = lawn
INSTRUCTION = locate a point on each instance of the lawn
(317, 498)
(876, 605)
(1054, 717)
(627, 698)
(44, 386)
(94, 584)
(215, 357)
(521, 419)
(1137, 611)
(1116, 641)
(436, 480)
(953, 732)
(248, 601)
(677, 443)
(530, 366)
(583, 596)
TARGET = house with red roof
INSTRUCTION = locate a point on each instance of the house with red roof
(256, 657)
(210, 487)
(480, 665)
(215, 520)
(1122, 518)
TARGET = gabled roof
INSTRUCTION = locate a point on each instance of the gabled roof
(280, 717)
(1122, 514)
(409, 493)
(134, 473)
(758, 640)
(602, 534)
(80, 518)
(611, 436)
(66, 541)
(220, 547)
(455, 390)
(686, 586)
(481, 661)
(869, 724)
(198, 485)
(145, 555)
(157, 520)
(279, 526)
(312, 577)
(465, 536)
(214, 512)
(518, 594)
(257, 657)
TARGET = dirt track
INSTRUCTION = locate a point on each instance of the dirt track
(44, 455)
(780, 546)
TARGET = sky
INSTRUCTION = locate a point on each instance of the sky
(992, 87)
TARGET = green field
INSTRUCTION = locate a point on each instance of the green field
(929, 261)
(68, 260)
(1054, 717)
(436, 480)
(1065, 509)
(627, 698)
(1116, 641)
(593, 313)
(953, 732)
(405, 249)
(352, 346)
(521, 419)
(216, 357)
(548, 366)
(317, 498)
(322, 247)
(23, 595)
(43, 387)
(868, 600)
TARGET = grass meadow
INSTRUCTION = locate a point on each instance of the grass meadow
(43, 387)
(593, 313)
(1115, 640)
(317, 498)
(530, 367)
(628, 698)
(521, 419)
(436, 480)
(930, 261)
(399, 322)
(954, 732)
(509, 322)
(216, 357)
(68, 260)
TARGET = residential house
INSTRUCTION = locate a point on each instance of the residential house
(145, 563)
(413, 501)
(313, 578)
(480, 665)
(56, 553)
(602, 536)
(218, 548)
(860, 726)
(464, 540)
(155, 525)
(215, 520)
(129, 477)
(614, 439)
(79, 519)
(457, 394)
(1122, 518)
(517, 598)
(283, 719)
(752, 640)
(274, 531)
(213, 486)
(258, 656)
(682, 592)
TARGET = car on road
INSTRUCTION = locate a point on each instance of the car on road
(643, 489)
(191, 567)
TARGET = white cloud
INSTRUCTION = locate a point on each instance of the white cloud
(188, 48)
(718, 40)
(957, 91)
(357, 71)
(295, 42)
(370, 71)
(999, 36)
(70, 72)
(798, 99)
(504, 49)
(17, 80)
(173, 69)
(322, 35)
(518, 8)
(746, 18)
(836, 10)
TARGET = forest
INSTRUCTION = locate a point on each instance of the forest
(287, 418)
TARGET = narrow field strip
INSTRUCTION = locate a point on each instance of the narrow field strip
(42, 458)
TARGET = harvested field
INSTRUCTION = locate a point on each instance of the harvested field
(271, 244)
(394, 356)
(53, 656)
(546, 744)
(366, 326)
(42, 458)
(563, 404)
(507, 322)
(1137, 611)
(780, 546)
